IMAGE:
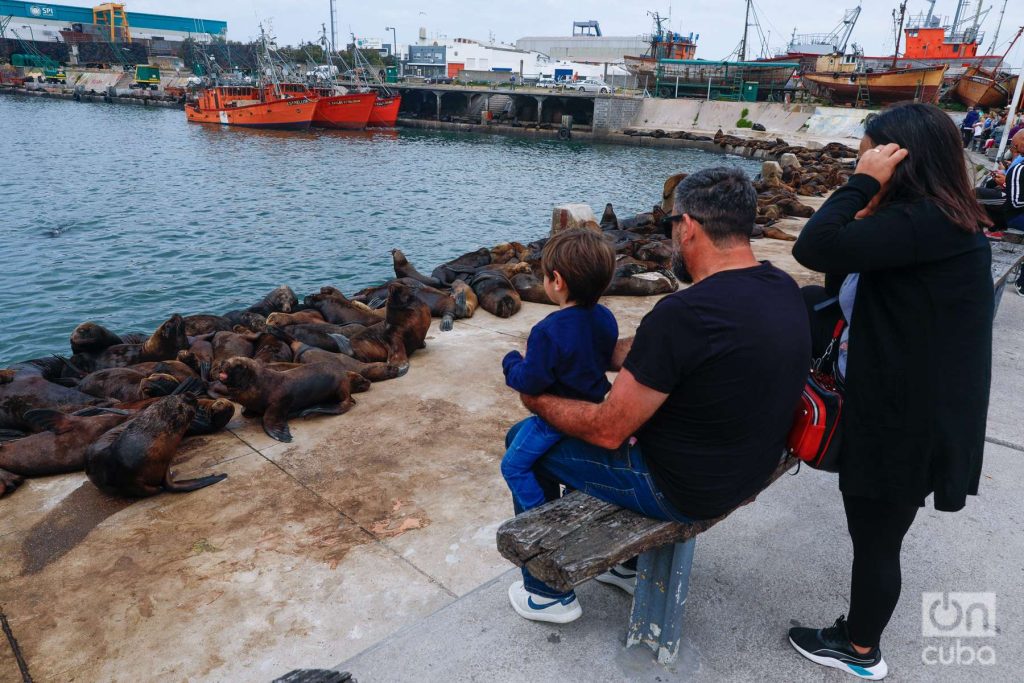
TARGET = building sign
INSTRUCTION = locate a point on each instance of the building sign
(40, 11)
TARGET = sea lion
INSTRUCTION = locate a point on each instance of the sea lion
(134, 458)
(465, 297)
(325, 335)
(205, 323)
(7, 376)
(28, 390)
(507, 252)
(306, 354)
(406, 327)
(506, 269)
(163, 344)
(199, 356)
(58, 446)
(307, 315)
(643, 284)
(609, 221)
(280, 300)
(211, 416)
(230, 344)
(404, 269)
(254, 322)
(90, 337)
(338, 310)
(447, 307)
(270, 349)
(126, 384)
(315, 388)
(496, 294)
(669, 190)
(462, 267)
(531, 288)
(180, 371)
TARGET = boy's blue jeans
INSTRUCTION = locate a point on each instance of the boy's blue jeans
(534, 437)
(618, 476)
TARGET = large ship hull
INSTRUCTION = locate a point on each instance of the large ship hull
(290, 114)
(955, 67)
(880, 87)
(345, 112)
(979, 89)
(385, 112)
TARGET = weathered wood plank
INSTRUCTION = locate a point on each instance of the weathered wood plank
(1005, 256)
(596, 539)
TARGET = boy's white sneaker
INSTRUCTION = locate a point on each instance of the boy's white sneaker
(538, 608)
(619, 576)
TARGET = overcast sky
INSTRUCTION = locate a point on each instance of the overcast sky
(719, 23)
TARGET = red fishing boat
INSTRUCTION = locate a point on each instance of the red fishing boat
(385, 111)
(251, 107)
(336, 107)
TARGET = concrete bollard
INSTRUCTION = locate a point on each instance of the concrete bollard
(789, 160)
(771, 170)
(568, 216)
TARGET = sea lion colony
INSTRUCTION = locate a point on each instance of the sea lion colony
(119, 405)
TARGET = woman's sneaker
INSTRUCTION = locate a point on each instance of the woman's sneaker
(831, 647)
(621, 576)
(538, 608)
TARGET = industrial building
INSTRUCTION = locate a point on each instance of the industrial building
(44, 22)
(586, 48)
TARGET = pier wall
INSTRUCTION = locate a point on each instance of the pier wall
(615, 113)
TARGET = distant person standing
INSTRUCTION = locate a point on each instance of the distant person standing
(967, 127)
(904, 238)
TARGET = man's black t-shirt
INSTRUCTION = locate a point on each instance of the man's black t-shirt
(732, 352)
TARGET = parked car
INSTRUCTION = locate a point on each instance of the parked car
(589, 85)
(440, 80)
(546, 82)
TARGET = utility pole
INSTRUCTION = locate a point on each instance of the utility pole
(746, 27)
(899, 31)
(1009, 118)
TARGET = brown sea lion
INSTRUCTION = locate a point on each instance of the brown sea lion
(180, 371)
(338, 310)
(306, 354)
(465, 297)
(531, 288)
(506, 269)
(58, 446)
(447, 307)
(609, 221)
(7, 376)
(669, 190)
(31, 391)
(509, 251)
(280, 300)
(90, 337)
(307, 315)
(163, 344)
(205, 323)
(211, 416)
(270, 349)
(127, 384)
(497, 295)
(199, 356)
(462, 267)
(230, 344)
(325, 335)
(407, 324)
(316, 388)
(134, 458)
(643, 284)
(254, 322)
(404, 269)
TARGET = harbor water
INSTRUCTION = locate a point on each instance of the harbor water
(123, 215)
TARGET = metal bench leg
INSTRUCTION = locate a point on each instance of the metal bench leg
(662, 583)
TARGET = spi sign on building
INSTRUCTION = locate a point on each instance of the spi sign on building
(41, 11)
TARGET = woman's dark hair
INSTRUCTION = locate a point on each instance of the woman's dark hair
(935, 169)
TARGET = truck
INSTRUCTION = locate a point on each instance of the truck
(146, 77)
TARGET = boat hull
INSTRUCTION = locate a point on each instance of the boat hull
(883, 87)
(979, 89)
(385, 112)
(344, 112)
(291, 114)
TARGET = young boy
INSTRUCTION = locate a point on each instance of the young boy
(567, 353)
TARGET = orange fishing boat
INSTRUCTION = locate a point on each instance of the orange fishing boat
(385, 111)
(336, 107)
(251, 107)
(842, 79)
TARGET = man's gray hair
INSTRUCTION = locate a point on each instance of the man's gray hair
(722, 199)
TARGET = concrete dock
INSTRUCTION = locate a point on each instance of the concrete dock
(369, 544)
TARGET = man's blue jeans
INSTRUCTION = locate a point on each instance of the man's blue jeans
(618, 476)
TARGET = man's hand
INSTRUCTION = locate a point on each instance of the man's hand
(999, 178)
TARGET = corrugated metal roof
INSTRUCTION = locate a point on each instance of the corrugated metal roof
(83, 15)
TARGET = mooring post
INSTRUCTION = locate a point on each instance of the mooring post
(438, 96)
(662, 584)
(540, 108)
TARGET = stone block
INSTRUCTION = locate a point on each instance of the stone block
(568, 216)
(771, 170)
(789, 160)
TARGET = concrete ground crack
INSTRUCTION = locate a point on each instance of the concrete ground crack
(1003, 442)
(15, 648)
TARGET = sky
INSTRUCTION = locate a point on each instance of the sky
(719, 23)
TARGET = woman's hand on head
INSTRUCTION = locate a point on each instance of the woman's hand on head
(881, 162)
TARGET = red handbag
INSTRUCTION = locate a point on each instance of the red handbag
(816, 437)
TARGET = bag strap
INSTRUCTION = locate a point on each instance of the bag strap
(827, 354)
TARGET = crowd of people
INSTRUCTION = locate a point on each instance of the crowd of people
(981, 131)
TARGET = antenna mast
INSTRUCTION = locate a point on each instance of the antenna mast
(746, 27)
(899, 31)
(999, 27)
(334, 25)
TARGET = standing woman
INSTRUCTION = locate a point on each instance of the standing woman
(904, 237)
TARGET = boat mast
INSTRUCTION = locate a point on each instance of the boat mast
(959, 15)
(334, 23)
(746, 27)
(999, 27)
(1005, 54)
(899, 31)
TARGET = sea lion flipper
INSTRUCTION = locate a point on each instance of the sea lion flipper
(204, 370)
(93, 411)
(187, 485)
(377, 302)
(461, 307)
(8, 482)
(46, 420)
(192, 385)
(275, 422)
(326, 409)
(447, 322)
(344, 345)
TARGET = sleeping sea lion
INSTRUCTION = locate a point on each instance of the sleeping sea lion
(643, 284)
(127, 384)
(406, 327)
(338, 310)
(462, 267)
(306, 354)
(254, 322)
(531, 288)
(205, 323)
(270, 349)
(325, 335)
(404, 269)
(27, 391)
(134, 458)
(506, 269)
(199, 356)
(211, 416)
(509, 251)
(90, 337)
(466, 297)
(280, 300)
(447, 307)
(58, 446)
(315, 388)
(163, 344)
(497, 295)
(307, 315)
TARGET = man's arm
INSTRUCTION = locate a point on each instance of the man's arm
(622, 348)
(629, 405)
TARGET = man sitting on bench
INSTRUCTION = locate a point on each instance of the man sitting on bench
(708, 386)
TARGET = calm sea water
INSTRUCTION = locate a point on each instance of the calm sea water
(125, 215)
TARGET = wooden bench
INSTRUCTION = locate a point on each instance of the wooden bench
(573, 539)
(1006, 259)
